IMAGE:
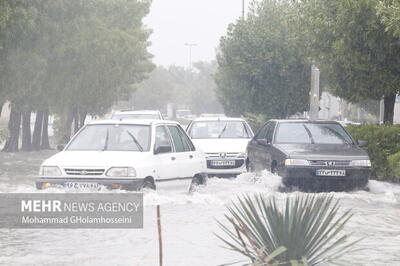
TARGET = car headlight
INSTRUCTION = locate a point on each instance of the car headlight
(289, 162)
(242, 155)
(121, 172)
(362, 163)
(49, 171)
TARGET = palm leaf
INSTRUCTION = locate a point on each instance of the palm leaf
(306, 232)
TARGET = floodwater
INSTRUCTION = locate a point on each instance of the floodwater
(188, 224)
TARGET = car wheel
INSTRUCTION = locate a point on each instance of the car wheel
(148, 183)
(197, 180)
(273, 167)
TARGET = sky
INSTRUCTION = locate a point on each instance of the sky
(198, 22)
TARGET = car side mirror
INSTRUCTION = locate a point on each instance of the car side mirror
(263, 142)
(60, 147)
(162, 149)
(362, 143)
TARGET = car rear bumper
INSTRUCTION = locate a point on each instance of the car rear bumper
(110, 183)
(306, 177)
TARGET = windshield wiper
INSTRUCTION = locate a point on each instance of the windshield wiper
(223, 130)
(136, 141)
(106, 142)
(309, 134)
(337, 134)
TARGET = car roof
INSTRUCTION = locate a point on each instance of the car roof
(148, 122)
(303, 121)
(220, 118)
(138, 112)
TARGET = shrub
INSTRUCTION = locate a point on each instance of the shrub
(3, 133)
(307, 229)
(383, 141)
(255, 121)
(394, 163)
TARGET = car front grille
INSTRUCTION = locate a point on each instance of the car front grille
(83, 171)
(329, 163)
(222, 154)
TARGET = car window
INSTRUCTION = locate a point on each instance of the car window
(307, 133)
(187, 143)
(270, 132)
(112, 137)
(328, 134)
(176, 137)
(292, 133)
(162, 138)
(263, 131)
(218, 129)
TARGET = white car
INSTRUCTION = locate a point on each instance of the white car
(224, 140)
(138, 114)
(126, 154)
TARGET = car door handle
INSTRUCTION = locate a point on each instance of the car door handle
(173, 158)
(191, 156)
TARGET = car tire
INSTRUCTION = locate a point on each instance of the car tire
(198, 180)
(273, 167)
(148, 183)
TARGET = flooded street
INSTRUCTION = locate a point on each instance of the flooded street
(188, 224)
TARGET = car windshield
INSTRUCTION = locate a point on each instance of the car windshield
(312, 133)
(135, 116)
(219, 129)
(112, 138)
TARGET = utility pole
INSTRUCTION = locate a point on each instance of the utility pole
(314, 93)
(190, 45)
(381, 111)
(243, 9)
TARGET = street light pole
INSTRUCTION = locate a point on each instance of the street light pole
(314, 93)
(190, 52)
(243, 9)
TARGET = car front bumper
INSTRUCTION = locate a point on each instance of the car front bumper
(306, 177)
(225, 170)
(109, 183)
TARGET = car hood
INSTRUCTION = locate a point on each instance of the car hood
(97, 158)
(323, 151)
(221, 145)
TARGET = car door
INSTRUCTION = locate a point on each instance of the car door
(260, 152)
(266, 152)
(165, 158)
(184, 155)
(196, 161)
(254, 150)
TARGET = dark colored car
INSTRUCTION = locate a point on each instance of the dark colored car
(310, 155)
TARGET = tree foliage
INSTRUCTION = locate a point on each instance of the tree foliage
(261, 68)
(389, 11)
(183, 87)
(348, 40)
(72, 57)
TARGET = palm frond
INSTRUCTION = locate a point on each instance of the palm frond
(305, 232)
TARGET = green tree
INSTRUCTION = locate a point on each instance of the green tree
(189, 88)
(154, 92)
(70, 57)
(349, 43)
(389, 11)
(261, 68)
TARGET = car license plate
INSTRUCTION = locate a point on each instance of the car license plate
(330, 172)
(223, 163)
(81, 185)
